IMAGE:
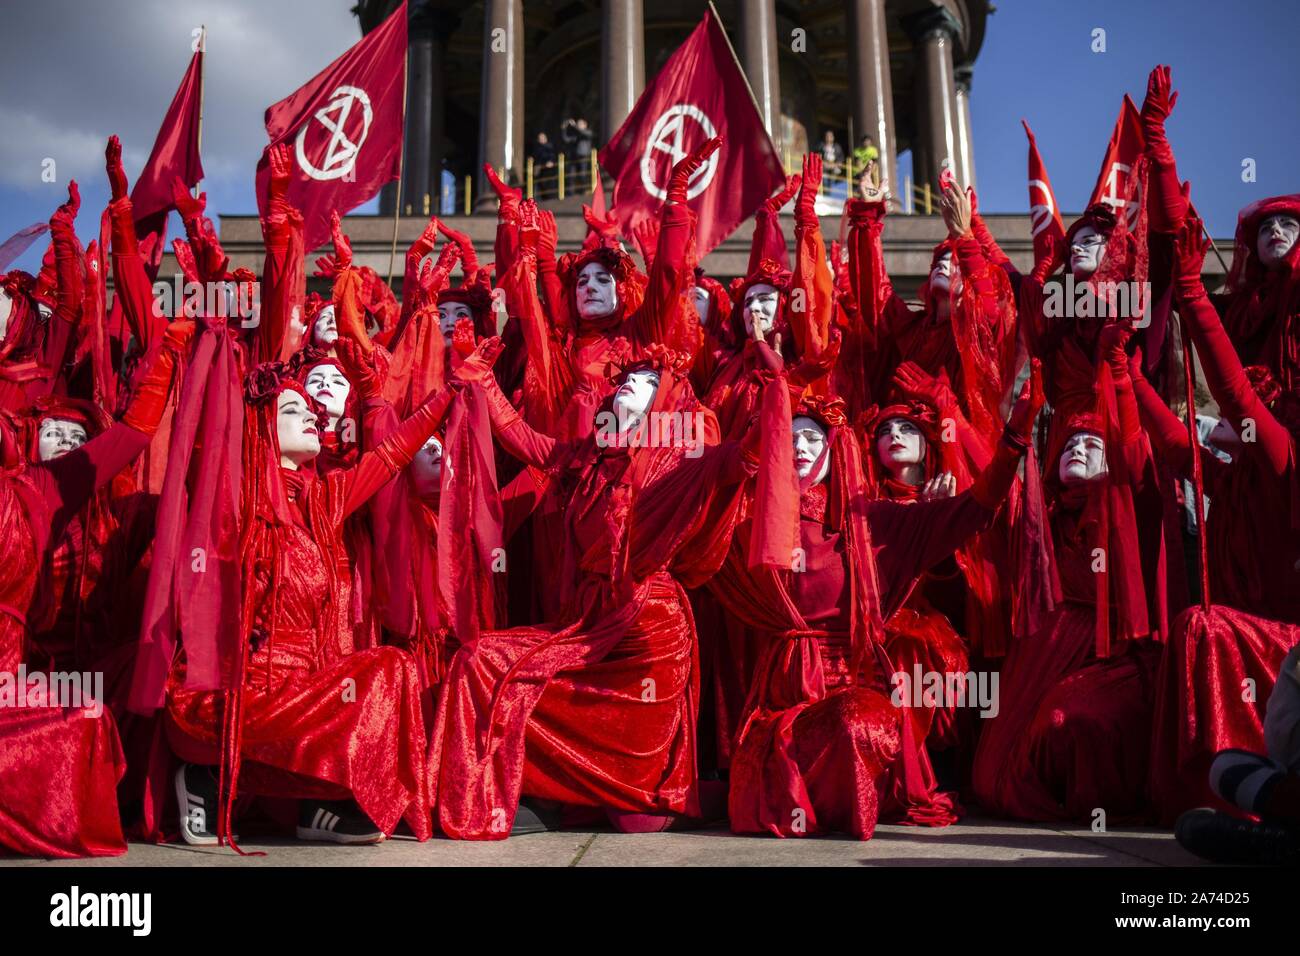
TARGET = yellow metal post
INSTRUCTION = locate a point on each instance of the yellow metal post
(528, 174)
(925, 192)
(560, 161)
(468, 188)
(594, 173)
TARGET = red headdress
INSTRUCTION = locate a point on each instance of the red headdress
(768, 272)
(1264, 304)
(631, 284)
(476, 295)
(24, 318)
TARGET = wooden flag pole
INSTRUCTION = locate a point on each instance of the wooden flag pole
(401, 164)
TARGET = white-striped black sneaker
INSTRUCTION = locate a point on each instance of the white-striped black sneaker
(196, 798)
(336, 821)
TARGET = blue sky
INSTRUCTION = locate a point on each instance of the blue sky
(72, 72)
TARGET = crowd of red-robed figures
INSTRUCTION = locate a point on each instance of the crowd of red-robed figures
(350, 566)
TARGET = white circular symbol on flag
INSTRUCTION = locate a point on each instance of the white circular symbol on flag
(1040, 214)
(668, 136)
(342, 139)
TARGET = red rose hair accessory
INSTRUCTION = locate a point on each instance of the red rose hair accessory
(1262, 381)
(769, 272)
(829, 410)
(658, 357)
(312, 306)
(616, 262)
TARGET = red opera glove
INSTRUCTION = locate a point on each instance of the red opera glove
(190, 207)
(331, 266)
(914, 382)
(508, 196)
(776, 203)
(1189, 257)
(548, 238)
(280, 160)
(1112, 344)
(426, 243)
(113, 164)
(529, 229)
(994, 482)
(1166, 201)
(150, 399)
(468, 257)
(349, 314)
(462, 343)
(607, 229)
(805, 208)
(67, 261)
(1155, 110)
(477, 366)
(436, 279)
(358, 367)
(813, 369)
(646, 234)
(400, 448)
(682, 172)
(1020, 425)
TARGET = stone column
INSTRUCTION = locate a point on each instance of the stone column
(937, 124)
(501, 110)
(622, 63)
(871, 95)
(758, 55)
(419, 105)
(965, 144)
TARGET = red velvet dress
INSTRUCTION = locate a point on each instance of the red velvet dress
(598, 709)
(315, 725)
(820, 752)
(59, 769)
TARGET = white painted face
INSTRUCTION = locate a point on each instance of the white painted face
(1087, 251)
(426, 467)
(1224, 437)
(6, 310)
(448, 315)
(809, 444)
(1276, 238)
(635, 396)
(899, 443)
(700, 296)
(597, 292)
(760, 306)
(57, 437)
(328, 385)
(1083, 459)
(941, 276)
(326, 329)
(296, 429)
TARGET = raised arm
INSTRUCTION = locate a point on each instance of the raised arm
(70, 287)
(1224, 373)
(811, 324)
(130, 280)
(284, 280)
(668, 276)
(547, 378)
(1166, 203)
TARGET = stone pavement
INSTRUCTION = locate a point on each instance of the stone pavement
(973, 842)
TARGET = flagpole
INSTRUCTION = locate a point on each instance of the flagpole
(203, 68)
(401, 163)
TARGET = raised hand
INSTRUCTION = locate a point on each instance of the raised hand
(281, 160)
(190, 207)
(914, 382)
(341, 261)
(66, 214)
(427, 240)
(1160, 100)
(956, 209)
(509, 196)
(812, 369)
(776, 203)
(646, 234)
(683, 171)
(1190, 248)
(548, 234)
(357, 367)
(478, 364)
(463, 340)
(113, 164)
(940, 486)
(1112, 343)
(1028, 404)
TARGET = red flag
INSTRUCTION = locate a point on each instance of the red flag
(175, 151)
(1044, 213)
(345, 128)
(698, 94)
(1119, 184)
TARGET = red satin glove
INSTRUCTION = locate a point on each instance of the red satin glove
(468, 257)
(548, 236)
(150, 399)
(190, 207)
(813, 369)
(478, 364)
(776, 203)
(1189, 256)
(529, 229)
(646, 234)
(61, 223)
(463, 342)
(331, 266)
(113, 165)
(1020, 426)
(508, 196)
(915, 383)
(811, 181)
(426, 243)
(680, 180)
(1156, 108)
(1112, 343)
(280, 160)
(435, 280)
(607, 229)
(358, 367)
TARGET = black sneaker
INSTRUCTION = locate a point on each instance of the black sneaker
(336, 821)
(1221, 838)
(196, 798)
(535, 816)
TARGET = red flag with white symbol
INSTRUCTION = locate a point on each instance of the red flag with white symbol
(1044, 213)
(699, 93)
(345, 128)
(1119, 184)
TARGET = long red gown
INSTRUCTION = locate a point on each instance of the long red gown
(598, 709)
(59, 769)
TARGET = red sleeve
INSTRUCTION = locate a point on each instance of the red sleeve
(663, 295)
(519, 439)
(281, 274)
(130, 280)
(1231, 389)
(811, 324)
(68, 482)
(547, 380)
